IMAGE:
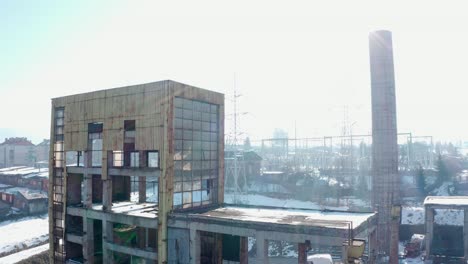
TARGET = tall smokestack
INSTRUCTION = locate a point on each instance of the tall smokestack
(385, 179)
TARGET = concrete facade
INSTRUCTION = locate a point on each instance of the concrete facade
(385, 179)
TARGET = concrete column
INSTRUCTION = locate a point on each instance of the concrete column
(88, 190)
(141, 189)
(262, 248)
(429, 229)
(142, 180)
(88, 182)
(88, 241)
(195, 246)
(107, 236)
(219, 248)
(344, 253)
(141, 237)
(244, 250)
(372, 247)
(302, 252)
(107, 194)
(465, 234)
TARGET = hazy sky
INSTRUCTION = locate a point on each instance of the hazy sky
(296, 62)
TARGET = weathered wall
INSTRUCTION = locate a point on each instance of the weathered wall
(178, 245)
(141, 103)
(38, 206)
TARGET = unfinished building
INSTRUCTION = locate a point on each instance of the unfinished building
(137, 176)
(446, 241)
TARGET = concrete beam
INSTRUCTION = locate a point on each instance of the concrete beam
(83, 170)
(74, 238)
(115, 217)
(132, 251)
(250, 232)
(447, 206)
(142, 172)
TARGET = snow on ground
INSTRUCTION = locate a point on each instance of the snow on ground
(449, 217)
(415, 216)
(412, 215)
(255, 199)
(445, 189)
(23, 233)
(16, 257)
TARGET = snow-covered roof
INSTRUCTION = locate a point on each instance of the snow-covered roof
(16, 190)
(328, 219)
(148, 210)
(32, 195)
(12, 168)
(3, 186)
(447, 200)
(30, 171)
(17, 141)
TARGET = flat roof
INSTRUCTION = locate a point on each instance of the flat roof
(149, 210)
(447, 200)
(295, 217)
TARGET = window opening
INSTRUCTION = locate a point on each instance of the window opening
(95, 143)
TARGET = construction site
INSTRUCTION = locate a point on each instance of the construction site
(137, 175)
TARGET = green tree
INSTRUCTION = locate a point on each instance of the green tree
(421, 181)
(443, 173)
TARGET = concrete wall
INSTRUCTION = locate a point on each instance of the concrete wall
(37, 206)
(178, 245)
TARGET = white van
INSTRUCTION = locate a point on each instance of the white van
(320, 259)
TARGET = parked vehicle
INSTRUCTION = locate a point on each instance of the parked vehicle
(320, 259)
(415, 246)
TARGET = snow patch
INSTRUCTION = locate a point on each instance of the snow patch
(24, 233)
(412, 215)
(17, 257)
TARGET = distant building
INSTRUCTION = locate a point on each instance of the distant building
(4, 209)
(16, 151)
(30, 202)
(29, 177)
(42, 152)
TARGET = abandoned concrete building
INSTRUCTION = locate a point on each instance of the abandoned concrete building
(137, 176)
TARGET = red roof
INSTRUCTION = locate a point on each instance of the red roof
(17, 141)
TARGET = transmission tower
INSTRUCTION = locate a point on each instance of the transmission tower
(235, 164)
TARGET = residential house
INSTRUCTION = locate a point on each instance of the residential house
(16, 151)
